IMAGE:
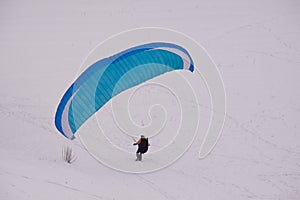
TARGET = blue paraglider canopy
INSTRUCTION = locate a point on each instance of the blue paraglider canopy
(110, 76)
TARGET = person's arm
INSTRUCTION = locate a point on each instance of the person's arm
(138, 142)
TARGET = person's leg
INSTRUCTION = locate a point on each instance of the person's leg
(140, 158)
(137, 156)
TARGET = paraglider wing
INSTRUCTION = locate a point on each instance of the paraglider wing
(110, 76)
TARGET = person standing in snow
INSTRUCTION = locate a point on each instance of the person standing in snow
(143, 144)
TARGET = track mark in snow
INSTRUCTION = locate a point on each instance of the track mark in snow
(54, 183)
(72, 188)
(155, 187)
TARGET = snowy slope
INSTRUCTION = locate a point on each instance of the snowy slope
(256, 47)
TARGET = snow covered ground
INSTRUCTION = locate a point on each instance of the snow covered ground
(256, 47)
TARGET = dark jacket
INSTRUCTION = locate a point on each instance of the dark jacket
(143, 145)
